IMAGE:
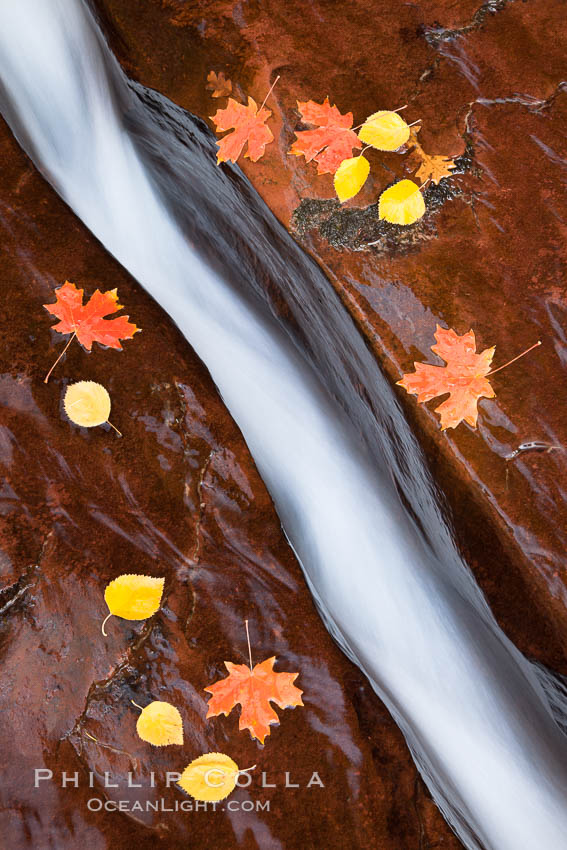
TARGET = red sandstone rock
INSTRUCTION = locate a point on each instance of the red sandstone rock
(178, 496)
(492, 258)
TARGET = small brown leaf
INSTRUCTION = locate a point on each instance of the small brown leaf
(434, 168)
(431, 167)
(218, 84)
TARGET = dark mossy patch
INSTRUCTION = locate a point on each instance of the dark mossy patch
(361, 230)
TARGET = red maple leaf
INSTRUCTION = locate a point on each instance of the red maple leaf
(332, 141)
(253, 690)
(464, 378)
(87, 322)
(248, 125)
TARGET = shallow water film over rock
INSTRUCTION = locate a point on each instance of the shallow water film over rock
(282, 424)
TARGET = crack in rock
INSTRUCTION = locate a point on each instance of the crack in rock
(201, 504)
(530, 102)
(102, 685)
(437, 34)
(10, 595)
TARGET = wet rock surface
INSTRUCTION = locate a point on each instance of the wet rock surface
(488, 83)
(177, 496)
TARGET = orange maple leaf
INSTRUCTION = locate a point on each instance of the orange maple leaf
(253, 690)
(87, 321)
(332, 141)
(464, 378)
(248, 125)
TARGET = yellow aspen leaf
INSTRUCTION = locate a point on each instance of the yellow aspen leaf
(350, 177)
(133, 597)
(210, 777)
(87, 404)
(160, 724)
(386, 131)
(402, 203)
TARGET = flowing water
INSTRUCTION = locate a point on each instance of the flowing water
(348, 479)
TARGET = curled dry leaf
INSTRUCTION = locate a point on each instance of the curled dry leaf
(218, 84)
(386, 131)
(210, 777)
(87, 404)
(253, 690)
(350, 177)
(434, 168)
(133, 597)
(332, 142)
(402, 203)
(160, 724)
(248, 124)
(464, 378)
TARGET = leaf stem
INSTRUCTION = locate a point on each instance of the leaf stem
(46, 379)
(108, 422)
(269, 93)
(136, 704)
(513, 360)
(249, 650)
(246, 769)
(106, 619)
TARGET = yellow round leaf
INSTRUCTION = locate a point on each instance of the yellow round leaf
(87, 403)
(160, 724)
(402, 203)
(350, 177)
(210, 777)
(384, 130)
(133, 597)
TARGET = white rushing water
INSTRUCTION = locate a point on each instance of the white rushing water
(472, 708)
